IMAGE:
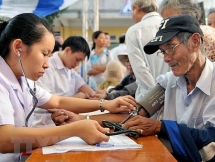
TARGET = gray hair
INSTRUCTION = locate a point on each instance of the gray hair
(184, 37)
(182, 6)
(212, 10)
(145, 5)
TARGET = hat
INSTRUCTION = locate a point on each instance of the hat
(114, 71)
(122, 57)
(169, 28)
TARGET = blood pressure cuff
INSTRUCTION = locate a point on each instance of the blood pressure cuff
(153, 100)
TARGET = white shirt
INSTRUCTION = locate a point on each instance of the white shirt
(121, 48)
(16, 102)
(146, 67)
(195, 109)
(57, 80)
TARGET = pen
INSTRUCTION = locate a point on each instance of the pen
(104, 145)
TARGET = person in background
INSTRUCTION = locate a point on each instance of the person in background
(26, 42)
(121, 48)
(108, 40)
(211, 17)
(59, 39)
(113, 74)
(146, 67)
(61, 79)
(57, 47)
(127, 86)
(187, 126)
(99, 57)
(175, 7)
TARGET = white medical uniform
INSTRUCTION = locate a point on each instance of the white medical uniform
(16, 102)
(60, 81)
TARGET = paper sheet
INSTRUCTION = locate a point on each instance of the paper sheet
(77, 144)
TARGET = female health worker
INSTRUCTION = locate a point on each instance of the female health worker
(26, 41)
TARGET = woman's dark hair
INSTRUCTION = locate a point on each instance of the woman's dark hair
(95, 36)
(77, 44)
(27, 26)
(57, 47)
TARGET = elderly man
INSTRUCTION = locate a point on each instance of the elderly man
(188, 115)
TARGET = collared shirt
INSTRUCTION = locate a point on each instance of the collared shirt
(195, 109)
(57, 80)
(146, 67)
(16, 102)
(103, 59)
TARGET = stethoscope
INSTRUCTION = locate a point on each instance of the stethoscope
(32, 92)
(117, 127)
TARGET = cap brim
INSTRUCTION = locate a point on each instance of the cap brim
(122, 58)
(153, 45)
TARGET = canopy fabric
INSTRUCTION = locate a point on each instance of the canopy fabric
(42, 8)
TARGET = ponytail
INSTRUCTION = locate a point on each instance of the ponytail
(94, 46)
(3, 26)
(3, 48)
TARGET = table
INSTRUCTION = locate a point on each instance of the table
(153, 151)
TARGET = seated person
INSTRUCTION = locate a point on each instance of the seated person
(127, 86)
(113, 75)
(57, 47)
(61, 79)
(211, 17)
(26, 42)
(188, 121)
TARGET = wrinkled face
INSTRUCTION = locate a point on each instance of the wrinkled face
(136, 14)
(211, 20)
(35, 58)
(183, 58)
(100, 41)
(128, 66)
(169, 12)
(73, 59)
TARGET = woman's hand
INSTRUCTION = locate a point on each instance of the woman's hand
(145, 126)
(90, 131)
(120, 104)
(62, 117)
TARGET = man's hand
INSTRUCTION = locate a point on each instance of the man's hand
(81, 95)
(145, 126)
(100, 94)
(62, 117)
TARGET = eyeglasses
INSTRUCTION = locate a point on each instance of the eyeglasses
(168, 51)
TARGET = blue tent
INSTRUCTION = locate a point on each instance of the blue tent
(11, 8)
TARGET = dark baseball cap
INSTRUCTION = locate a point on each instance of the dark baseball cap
(170, 27)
